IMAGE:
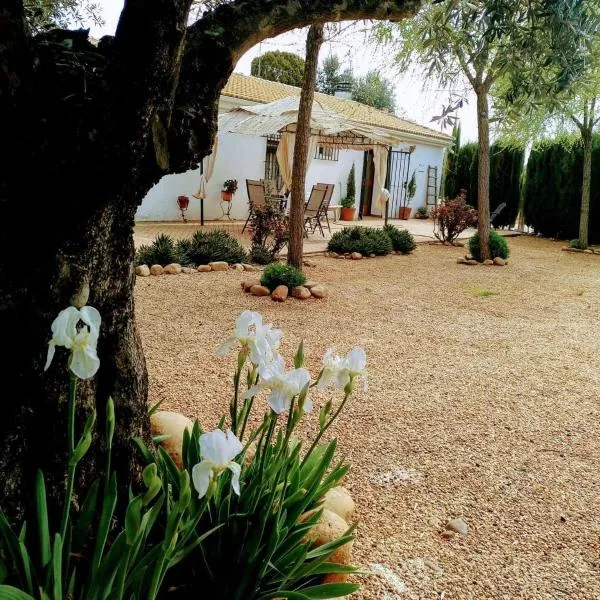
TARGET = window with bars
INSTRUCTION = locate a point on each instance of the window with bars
(272, 175)
(327, 153)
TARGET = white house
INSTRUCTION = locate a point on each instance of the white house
(244, 157)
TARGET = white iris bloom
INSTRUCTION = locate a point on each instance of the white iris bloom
(261, 341)
(283, 385)
(81, 341)
(217, 450)
(340, 370)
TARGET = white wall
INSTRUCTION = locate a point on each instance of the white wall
(336, 172)
(239, 157)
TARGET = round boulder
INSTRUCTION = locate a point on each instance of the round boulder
(260, 290)
(318, 291)
(301, 292)
(203, 268)
(156, 270)
(339, 501)
(280, 293)
(142, 271)
(329, 528)
(173, 269)
(173, 424)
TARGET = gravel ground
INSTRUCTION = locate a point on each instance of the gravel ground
(483, 408)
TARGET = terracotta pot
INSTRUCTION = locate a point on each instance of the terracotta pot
(347, 214)
(227, 196)
(405, 212)
(183, 202)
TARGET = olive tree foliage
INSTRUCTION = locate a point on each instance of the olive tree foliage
(42, 15)
(535, 48)
(283, 67)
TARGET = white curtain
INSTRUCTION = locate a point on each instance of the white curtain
(208, 166)
(380, 161)
(285, 157)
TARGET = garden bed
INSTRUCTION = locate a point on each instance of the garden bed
(481, 407)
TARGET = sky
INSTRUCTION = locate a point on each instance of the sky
(414, 101)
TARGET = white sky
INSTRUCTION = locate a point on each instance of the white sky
(412, 101)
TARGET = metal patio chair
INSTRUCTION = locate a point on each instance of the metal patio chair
(256, 198)
(313, 210)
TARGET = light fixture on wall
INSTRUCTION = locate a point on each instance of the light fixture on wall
(183, 202)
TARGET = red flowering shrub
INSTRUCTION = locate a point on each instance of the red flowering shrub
(452, 217)
(270, 233)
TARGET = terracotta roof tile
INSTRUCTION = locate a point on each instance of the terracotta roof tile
(254, 89)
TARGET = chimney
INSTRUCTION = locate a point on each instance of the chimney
(343, 90)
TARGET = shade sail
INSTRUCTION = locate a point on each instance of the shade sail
(327, 126)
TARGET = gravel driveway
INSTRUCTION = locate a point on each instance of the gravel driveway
(483, 404)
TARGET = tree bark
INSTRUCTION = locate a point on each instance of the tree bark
(298, 196)
(584, 215)
(483, 175)
(97, 127)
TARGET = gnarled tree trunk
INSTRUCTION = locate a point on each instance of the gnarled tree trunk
(313, 45)
(90, 130)
(584, 215)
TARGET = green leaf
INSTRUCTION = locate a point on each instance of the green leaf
(57, 567)
(108, 506)
(8, 592)
(110, 422)
(155, 408)
(133, 519)
(85, 441)
(42, 518)
(86, 515)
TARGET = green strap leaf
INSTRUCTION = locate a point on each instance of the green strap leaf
(8, 592)
(42, 518)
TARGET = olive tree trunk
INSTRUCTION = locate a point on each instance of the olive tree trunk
(298, 197)
(584, 215)
(483, 174)
(87, 131)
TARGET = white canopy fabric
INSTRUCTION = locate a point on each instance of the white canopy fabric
(328, 128)
(281, 115)
(208, 166)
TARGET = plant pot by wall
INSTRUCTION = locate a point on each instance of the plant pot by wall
(227, 196)
(183, 202)
(347, 214)
(405, 212)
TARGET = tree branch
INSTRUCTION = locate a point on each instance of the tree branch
(577, 122)
(222, 36)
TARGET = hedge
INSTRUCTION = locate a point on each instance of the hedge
(506, 165)
(553, 189)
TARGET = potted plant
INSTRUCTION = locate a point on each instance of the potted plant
(411, 190)
(348, 209)
(348, 203)
(422, 213)
(229, 189)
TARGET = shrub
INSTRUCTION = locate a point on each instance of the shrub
(402, 240)
(452, 217)
(216, 245)
(261, 255)
(498, 246)
(351, 185)
(576, 244)
(281, 274)
(366, 240)
(184, 248)
(422, 213)
(162, 251)
(270, 233)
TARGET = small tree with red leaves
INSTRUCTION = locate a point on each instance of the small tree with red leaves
(452, 217)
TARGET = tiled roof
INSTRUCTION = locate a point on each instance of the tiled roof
(253, 89)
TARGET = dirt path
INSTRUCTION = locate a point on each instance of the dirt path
(479, 407)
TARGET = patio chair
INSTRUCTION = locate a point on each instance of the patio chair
(327, 202)
(497, 211)
(313, 210)
(256, 198)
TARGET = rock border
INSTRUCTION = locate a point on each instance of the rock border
(578, 250)
(359, 256)
(177, 269)
(469, 260)
(311, 289)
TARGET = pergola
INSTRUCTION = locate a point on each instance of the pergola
(328, 128)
